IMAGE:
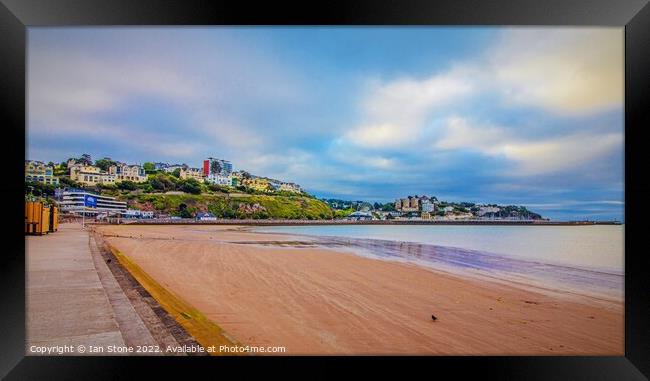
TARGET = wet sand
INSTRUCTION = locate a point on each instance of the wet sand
(279, 290)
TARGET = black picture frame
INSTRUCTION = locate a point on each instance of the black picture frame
(17, 15)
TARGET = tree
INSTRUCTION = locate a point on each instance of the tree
(183, 211)
(127, 185)
(149, 167)
(190, 186)
(388, 207)
(219, 188)
(105, 163)
(86, 159)
(177, 173)
(39, 189)
(162, 182)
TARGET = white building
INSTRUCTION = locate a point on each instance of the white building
(219, 179)
(206, 217)
(76, 201)
(172, 167)
(134, 213)
(483, 210)
(428, 206)
(359, 216)
(290, 187)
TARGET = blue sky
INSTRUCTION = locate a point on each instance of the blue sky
(529, 116)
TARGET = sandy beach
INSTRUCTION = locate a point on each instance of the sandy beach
(278, 290)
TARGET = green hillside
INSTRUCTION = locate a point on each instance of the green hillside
(232, 205)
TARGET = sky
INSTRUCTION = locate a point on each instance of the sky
(525, 116)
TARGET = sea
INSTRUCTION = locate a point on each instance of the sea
(587, 259)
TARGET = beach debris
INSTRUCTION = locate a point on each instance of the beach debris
(433, 317)
(530, 302)
(108, 260)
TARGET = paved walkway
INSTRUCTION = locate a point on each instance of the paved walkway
(72, 297)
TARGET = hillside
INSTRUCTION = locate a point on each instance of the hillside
(232, 205)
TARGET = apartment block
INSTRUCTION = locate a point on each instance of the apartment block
(37, 171)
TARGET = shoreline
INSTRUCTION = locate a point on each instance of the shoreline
(235, 222)
(324, 301)
(526, 273)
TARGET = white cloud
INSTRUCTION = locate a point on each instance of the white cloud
(72, 85)
(563, 71)
(394, 112)
(566, 70)
(459, 135)
(530, 156)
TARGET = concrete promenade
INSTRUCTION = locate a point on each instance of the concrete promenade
(73, 298)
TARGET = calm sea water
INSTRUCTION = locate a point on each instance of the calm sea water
(595, 247)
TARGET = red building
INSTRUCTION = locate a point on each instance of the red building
(206, 167)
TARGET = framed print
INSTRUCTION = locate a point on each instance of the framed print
(455, 186)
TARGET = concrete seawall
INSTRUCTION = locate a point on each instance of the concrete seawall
(78, 299)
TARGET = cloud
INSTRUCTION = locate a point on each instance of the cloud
(530, 156)
(66, 85)
(394, 112)
(197, 103)
(565, 71)
(570, 75)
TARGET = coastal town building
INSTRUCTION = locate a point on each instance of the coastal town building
(77, 201)
(216, 166)
(159, 166)
(191, 173)
(428, 206)
(360, 216)
(90, 175)
(135, 213)
(126, 172)
(459, 216)
(258, 183)
(290, 187)
(486, 210)
(37, 171)
(70, 163)
(278, 185)
(169, 168)
(236, 179)
(219, 179)
(206, 217)
(409, 204)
